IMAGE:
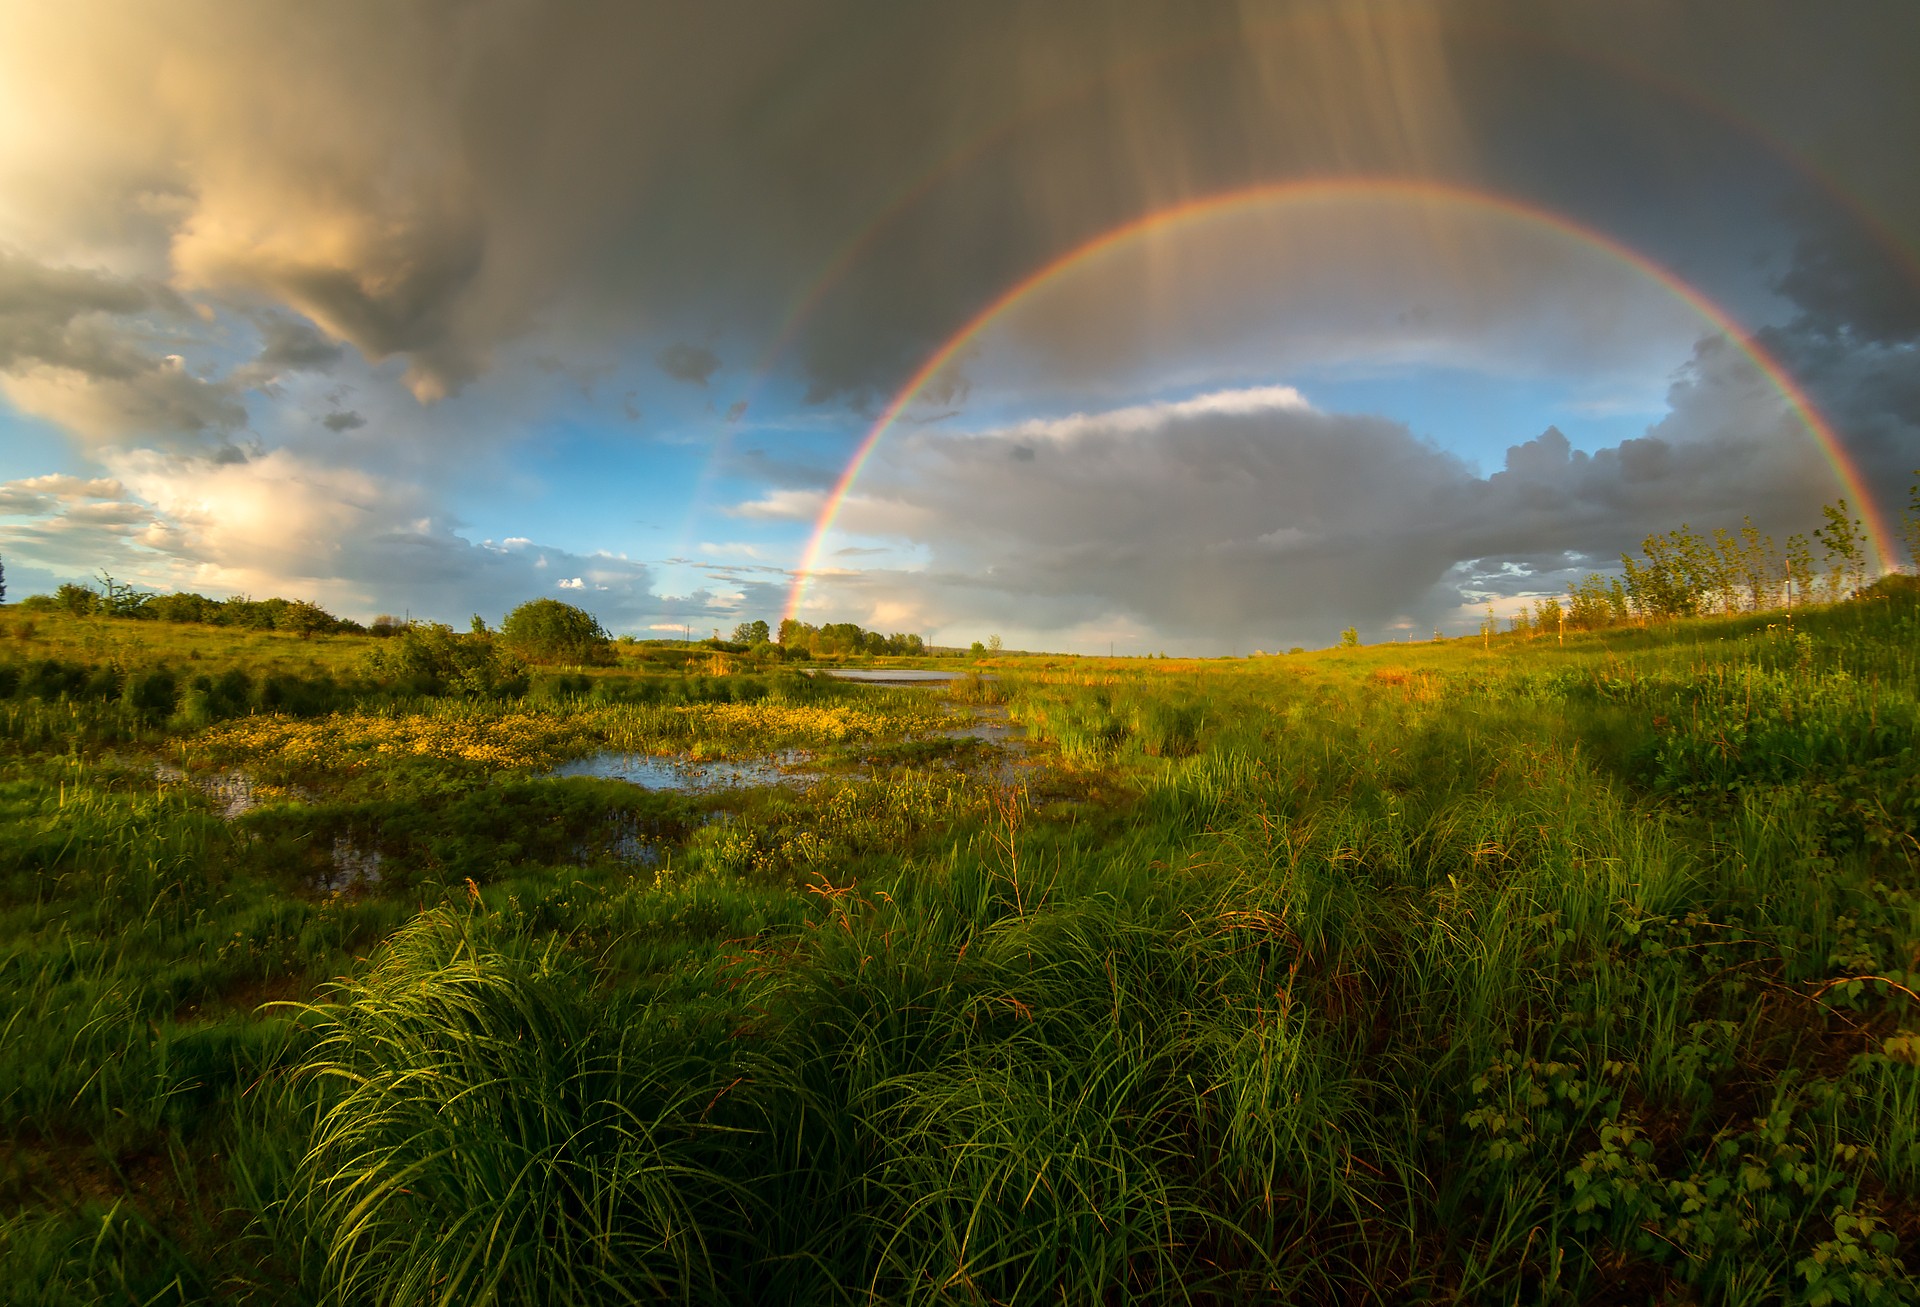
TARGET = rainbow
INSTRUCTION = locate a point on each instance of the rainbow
(1341, 188)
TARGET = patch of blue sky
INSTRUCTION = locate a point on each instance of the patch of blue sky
(1478, 416)
(33, 447)
(594, 476)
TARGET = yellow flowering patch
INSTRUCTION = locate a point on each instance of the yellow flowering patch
(491, 737)
(709, 728)
(511, 739)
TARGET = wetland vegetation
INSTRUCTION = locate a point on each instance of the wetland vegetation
(1536, 966)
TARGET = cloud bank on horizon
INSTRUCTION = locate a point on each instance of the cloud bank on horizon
(442, 307)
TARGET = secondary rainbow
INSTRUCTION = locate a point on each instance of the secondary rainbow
(1409, 189)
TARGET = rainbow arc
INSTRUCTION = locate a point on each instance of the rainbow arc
(1847, 474)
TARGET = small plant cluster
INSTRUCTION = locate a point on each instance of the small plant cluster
(1094, 724)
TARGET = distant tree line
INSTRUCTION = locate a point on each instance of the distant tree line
(1683, 573)
(117, 599)
(840, 639)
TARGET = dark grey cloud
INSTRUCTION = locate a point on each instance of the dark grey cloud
(435, 184)
(65, 317)
(689, 363)
(289, 344)
(1226, 525)
(345, 420)
(90, 350)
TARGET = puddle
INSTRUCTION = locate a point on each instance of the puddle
(353, 866)
(232, 792)
(991, 726)
(892, 675)
(628, 840)
(687, 775)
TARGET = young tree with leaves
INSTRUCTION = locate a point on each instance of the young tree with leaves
(1759, 565)
(1798, 567)
(1842, 537)
(1909, 525)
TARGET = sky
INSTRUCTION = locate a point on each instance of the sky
(1197, 328)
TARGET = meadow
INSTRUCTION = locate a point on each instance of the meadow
(1513, 968)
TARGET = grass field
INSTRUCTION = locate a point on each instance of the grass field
(1515, 971)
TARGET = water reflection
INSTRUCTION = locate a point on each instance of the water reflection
(688, 775)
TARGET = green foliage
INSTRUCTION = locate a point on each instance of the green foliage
(428, 658)
(844, 639)
(1548, 616)
(548, 631)
(76, 599)
(1596, 602)
(1683, 574)
(1910, 523)
(1350, 638)
(486, 1125)
(1844, 539)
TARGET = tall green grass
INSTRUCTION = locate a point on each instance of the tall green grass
(1528, 972)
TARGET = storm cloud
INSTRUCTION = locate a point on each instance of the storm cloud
(305, 262)
(1250, 517)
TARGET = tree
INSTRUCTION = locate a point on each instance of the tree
(1548, 616)
(1680, 575)
(1590, 603)
(1350, 638)
(118, 599)
(1798, 567)
(1909, 526)
(184, 606)
(752, 633)
(993, 644)
(1846, 561)
(77, 599)
(307, 619)
(1729, 568)
(3, 580)
(1759, 565)
(548, 631)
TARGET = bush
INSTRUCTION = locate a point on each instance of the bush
(151, 693)
(77, 599)
(432, 659)
(548, 631)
